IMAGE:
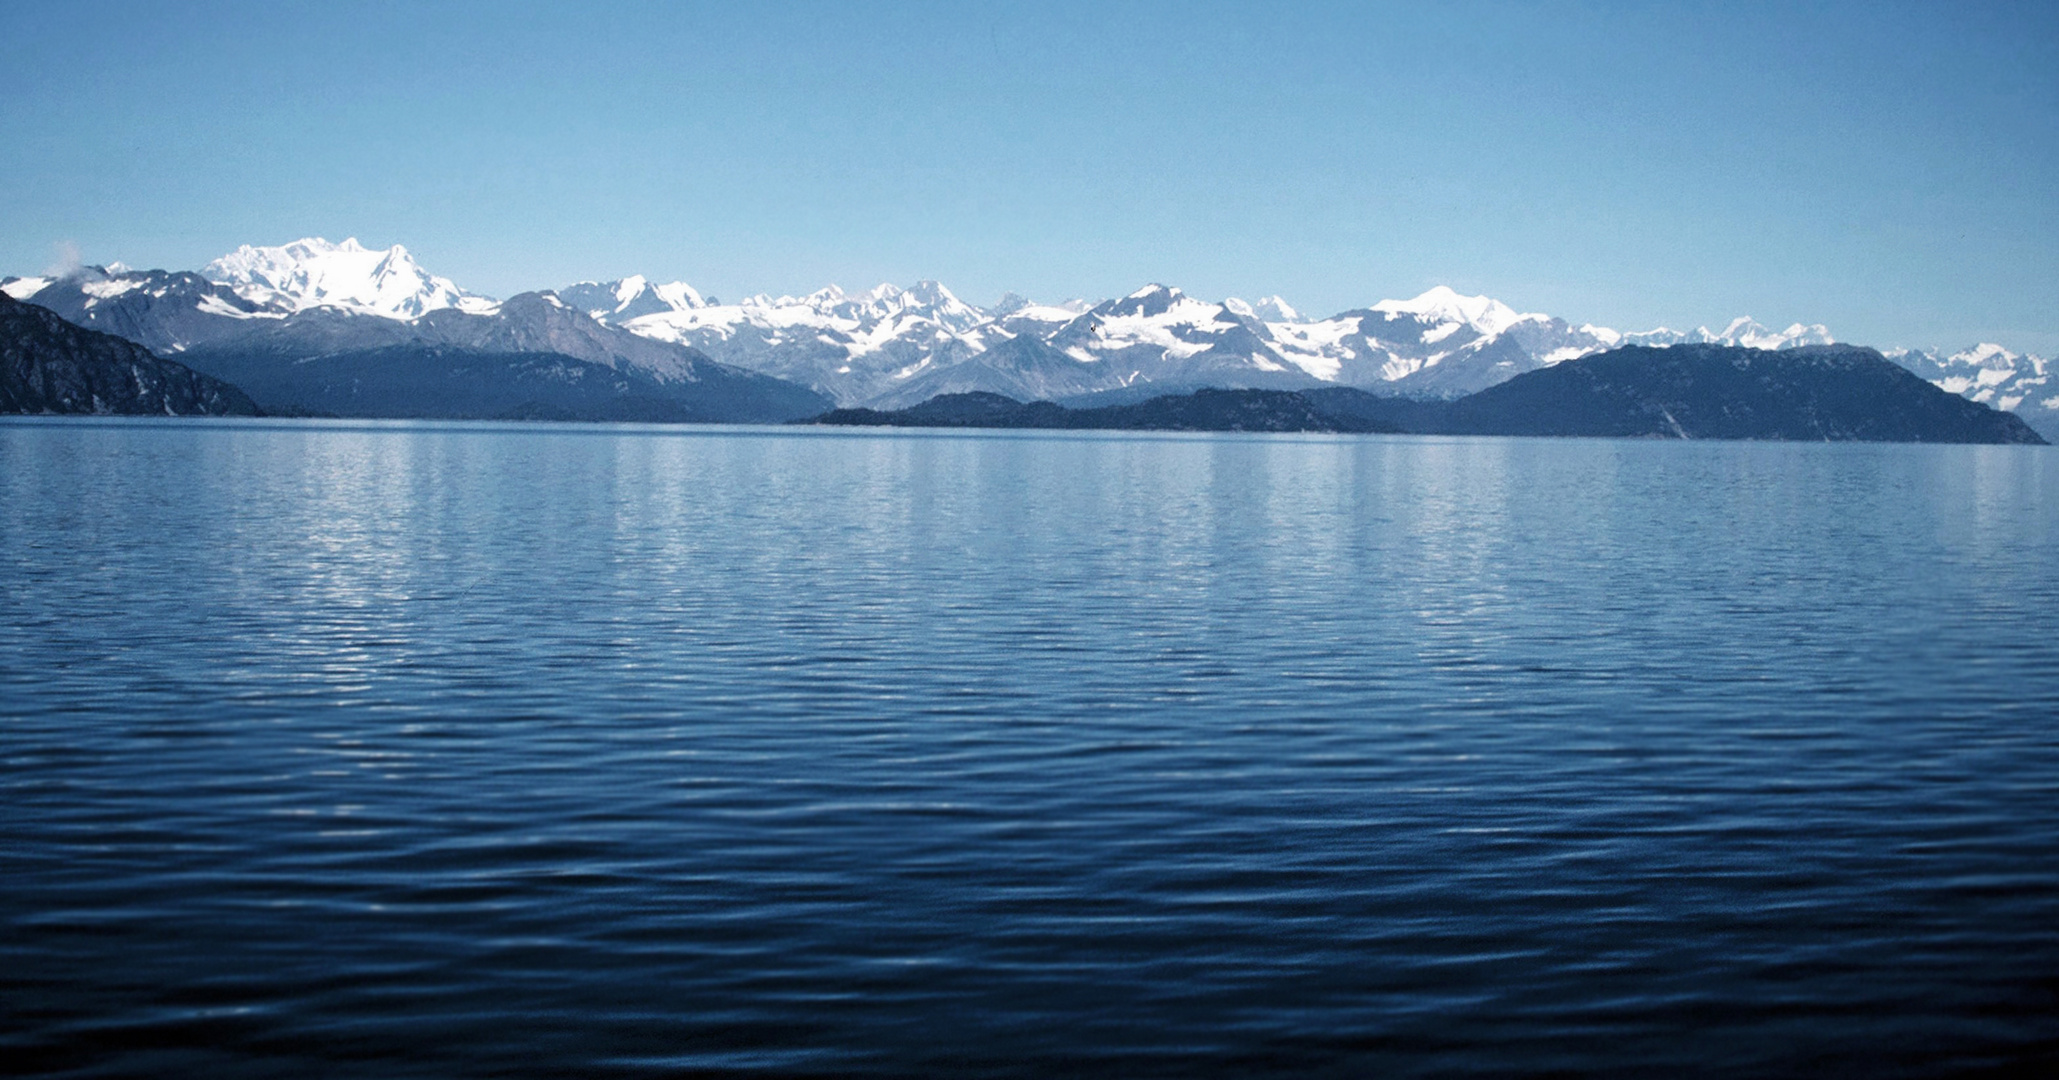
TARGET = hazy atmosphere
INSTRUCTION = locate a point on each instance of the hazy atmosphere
(1890, 170)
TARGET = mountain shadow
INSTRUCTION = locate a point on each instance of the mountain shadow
(1818, 393)
(48, 365)
(1202, 410)
(1834, 393)
(293, 359)
(444, 382)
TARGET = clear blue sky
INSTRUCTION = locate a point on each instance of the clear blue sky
(1891, 170)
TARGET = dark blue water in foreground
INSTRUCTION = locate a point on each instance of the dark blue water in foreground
(385, 750)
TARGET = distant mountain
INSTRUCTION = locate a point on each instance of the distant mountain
(1154, 335)
(1160, 334)
(162, 311)
(316, 273)
(1813, 393)
(1202, 410)
(294, 320)
(541, 322)
(532, 352)
(1993, 375)
(1438, 344)
(617, 302)
(850, 347)
(1023, 367)
(417, 380)
(969, 409)
(48, 365)
(238, 293)
(1818, 393)
(892, 346)
(1742, 332)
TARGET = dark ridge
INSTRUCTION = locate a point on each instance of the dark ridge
(1833, 393)
(162, 311)
(1202, 410)
(413, 381)
(533, 354)
(48, 365)
(184, 314)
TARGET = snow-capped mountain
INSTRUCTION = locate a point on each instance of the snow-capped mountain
(1439, 343)
(617, 302)
(1741, 331)
(892, 346)
(172, 312)
(162, 311)
(314, 273)
(1156, 336)
(21, 288)
(1992, 375)
(286, 319)
(1265, 309)
(888, 344)
(1159, 333)
(851, 346)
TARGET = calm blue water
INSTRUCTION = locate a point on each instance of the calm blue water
(417, 749)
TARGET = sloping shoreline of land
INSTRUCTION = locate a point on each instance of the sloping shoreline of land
(50, 366)
(1816, 394)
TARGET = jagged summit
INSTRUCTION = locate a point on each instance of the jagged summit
(1993, 375)
(879, 345)
(1446, 305)
(1742, 331)
(1266, 309)
(1009, 304)
(312, 272)
(630, 298)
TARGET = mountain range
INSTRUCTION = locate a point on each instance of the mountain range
(48, 365)
(1831, 393)
(885, 348)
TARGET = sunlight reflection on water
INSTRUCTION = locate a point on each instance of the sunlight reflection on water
(549, 749)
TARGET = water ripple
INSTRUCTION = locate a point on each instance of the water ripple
(434, 749)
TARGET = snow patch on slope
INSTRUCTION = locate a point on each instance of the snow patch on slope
(22, 288)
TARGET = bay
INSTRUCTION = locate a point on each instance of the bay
(451, 749)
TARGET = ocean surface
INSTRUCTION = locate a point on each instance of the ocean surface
(424, 749)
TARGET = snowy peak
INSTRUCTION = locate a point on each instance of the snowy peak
(1742, 331)
(1159, 332)
(1270, 309)
(630, 298)
(1275, 309)
(1988, 355)
(1444, 304)
(1990, 374)
(1028, 316)
(1149, 302)
(933, 294)
(21, 288)
(313, 272)
(630, 288)
(924, 301)
(1009, 304)
(853, 345)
